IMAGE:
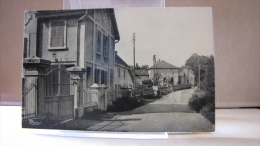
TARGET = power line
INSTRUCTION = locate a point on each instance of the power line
(127, 43)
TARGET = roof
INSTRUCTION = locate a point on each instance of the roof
(189, 70)
(163, 65)
(141, 72)
(80, 13)
(120, 61)
(181, 69)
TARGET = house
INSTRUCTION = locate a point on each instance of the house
(124, 77)
(141, 75)
(168, 73)
(186, 76)
(68, 58)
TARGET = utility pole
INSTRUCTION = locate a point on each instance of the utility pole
(134, 59)
(199, 71)
(154, 62)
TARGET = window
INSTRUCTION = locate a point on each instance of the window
(99, 42)
(97, 72)
(89, 80)
(111, 78)
(57, 38)
(25, 46)
(105, 46)
(124, 74)
(103, 77)
(118, 72)
(172, 81)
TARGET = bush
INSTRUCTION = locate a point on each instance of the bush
(204, 103)
(208, 111)
(124, 104)
(197, 101)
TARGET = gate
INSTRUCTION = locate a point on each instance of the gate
(29, 106)
(59, 97)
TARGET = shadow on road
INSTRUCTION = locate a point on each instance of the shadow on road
(161, 108)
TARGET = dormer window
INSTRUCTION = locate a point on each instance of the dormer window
(57, 33)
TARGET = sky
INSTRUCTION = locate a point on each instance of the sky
(172, 34)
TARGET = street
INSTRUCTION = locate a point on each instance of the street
(170, 113)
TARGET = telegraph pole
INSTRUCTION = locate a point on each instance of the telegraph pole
(199, 71)
(154, 61)
(134, 59)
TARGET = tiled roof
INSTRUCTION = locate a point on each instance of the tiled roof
(181, 69)
(141, 72)
(163, 65)
(120, 61)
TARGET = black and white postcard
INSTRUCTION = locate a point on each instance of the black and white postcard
(122, 69)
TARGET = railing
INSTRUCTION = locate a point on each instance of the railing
(29, 106)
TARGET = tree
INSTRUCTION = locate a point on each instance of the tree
(208, 82)
(194, 62)
(144, 67)
(139, 67)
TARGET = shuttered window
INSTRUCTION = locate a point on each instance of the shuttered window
(105, 46)
(57, 33)
(97, 72)
(103, 77)
(99, 42)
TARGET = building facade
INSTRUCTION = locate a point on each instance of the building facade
(65, 53)
(124, 78)
(141, 75)
(169, 74)
(186, 76)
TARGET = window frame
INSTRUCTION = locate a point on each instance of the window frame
(119, 72)
(64, 36)
(99, 44)
(105, 46)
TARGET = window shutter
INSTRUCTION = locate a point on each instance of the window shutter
(57, 33)
(99, 42)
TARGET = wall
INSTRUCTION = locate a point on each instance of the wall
(68, 54)
(121, 80)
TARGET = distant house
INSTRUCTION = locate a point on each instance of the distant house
(65, 53)
(123, 75)
(141, 75)
(168, 73)
(186, 76)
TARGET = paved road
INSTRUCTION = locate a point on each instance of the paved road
(170, 113)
